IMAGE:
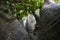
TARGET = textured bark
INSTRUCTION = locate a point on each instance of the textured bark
(49, 23)
(12, 30)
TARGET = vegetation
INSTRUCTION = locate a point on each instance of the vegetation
(21, 8)
(57, 1)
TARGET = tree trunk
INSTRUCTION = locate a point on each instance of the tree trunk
(47, 21)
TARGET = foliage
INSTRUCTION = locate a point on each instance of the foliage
(21, 8)
(57, 1)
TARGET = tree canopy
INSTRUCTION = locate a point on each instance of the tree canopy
(21, 8)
